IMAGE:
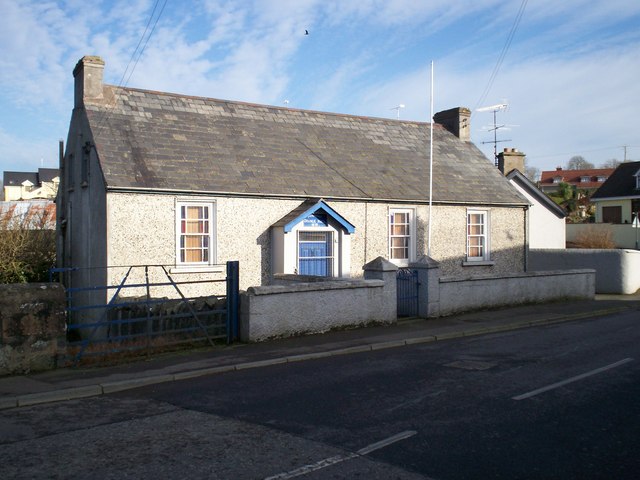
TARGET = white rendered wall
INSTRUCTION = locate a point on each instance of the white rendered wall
(617, 271)
(141, 229)
(546, 230)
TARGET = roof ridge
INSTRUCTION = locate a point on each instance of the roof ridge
(265, 105)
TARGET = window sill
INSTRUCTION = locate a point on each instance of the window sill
(198, 269)
(479, 263)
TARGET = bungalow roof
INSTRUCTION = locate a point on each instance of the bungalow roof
(160, 141)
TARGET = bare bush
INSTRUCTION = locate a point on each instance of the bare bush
(594, 238)
(27, 244)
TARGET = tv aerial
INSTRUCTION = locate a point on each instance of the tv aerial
(495, 109)
(397, 109)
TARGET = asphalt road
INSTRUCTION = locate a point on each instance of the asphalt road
(553, 402)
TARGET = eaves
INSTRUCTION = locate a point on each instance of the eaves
(605, 199)
(159, 191)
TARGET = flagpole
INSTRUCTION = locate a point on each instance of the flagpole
(430, 166)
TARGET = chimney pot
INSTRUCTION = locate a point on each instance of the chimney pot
(511, 159)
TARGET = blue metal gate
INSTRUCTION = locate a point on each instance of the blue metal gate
(147, 311)
(407, 291)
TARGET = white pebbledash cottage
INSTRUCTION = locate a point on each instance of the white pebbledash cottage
(160, 178)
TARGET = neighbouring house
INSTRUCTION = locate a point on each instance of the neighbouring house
(586, 180)
(618, 199)
(42, 184)
(547, 226)
(191, 182)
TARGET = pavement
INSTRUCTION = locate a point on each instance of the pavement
(80, 382)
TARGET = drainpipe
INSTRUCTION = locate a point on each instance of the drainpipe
(526, 211)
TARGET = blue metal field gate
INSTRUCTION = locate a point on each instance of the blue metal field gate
(147, 311)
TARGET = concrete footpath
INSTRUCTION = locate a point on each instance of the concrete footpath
(73, 383)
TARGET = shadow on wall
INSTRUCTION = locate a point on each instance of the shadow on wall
(264, 240)
(617, 271)
(501, 262)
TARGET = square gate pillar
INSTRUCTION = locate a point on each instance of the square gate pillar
(381, 269)
(429, 292)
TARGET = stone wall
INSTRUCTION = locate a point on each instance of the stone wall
(32, 326)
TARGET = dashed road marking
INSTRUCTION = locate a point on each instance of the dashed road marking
(327, 462)
(553, 386)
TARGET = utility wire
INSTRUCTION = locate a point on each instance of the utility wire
(584, 151)
(124, 74)
(135, 57)
(503, 54)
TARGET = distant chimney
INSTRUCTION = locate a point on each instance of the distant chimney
(88, 79)
(457, 121)
(510, 159)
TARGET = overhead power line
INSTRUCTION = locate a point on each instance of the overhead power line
(503, 54)
(136, 55)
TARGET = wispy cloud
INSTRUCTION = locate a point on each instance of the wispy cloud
(569, 62)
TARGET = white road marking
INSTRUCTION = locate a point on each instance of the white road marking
(571, 380)
(327, 462)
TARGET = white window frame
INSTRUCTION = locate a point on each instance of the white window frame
(211, 234)
(402, 262)
(485, 258)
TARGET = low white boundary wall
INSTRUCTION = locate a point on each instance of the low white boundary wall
(617, 271)
(459, 295)
(301, 308)
(313, 307)
(441, 296)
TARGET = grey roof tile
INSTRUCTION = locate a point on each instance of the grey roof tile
(621, 183)
(172, 142)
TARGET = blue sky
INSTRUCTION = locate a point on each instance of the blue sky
(570, 75)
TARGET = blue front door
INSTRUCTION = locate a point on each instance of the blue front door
(315, 253)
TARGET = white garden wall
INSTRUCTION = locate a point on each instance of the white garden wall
(617, 271)
(315, 307)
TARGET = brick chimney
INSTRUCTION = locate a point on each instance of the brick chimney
(457, 121)
(510, 159)
(88, 79)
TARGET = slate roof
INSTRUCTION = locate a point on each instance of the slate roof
(48, 174)
(15, 179)
(622, 183)
(42, 175)
(160, 141)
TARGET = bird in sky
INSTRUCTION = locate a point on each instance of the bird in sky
(306, 32)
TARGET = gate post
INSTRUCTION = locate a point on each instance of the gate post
(429, 293)
(233, 282)
(381, 269)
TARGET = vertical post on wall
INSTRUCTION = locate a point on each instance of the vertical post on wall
(148, 309)
(233, 287)
(430, 167)
(636, 225)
